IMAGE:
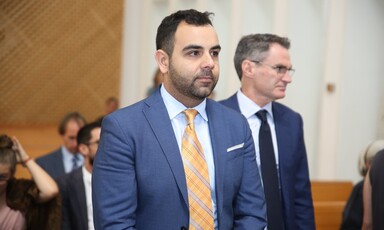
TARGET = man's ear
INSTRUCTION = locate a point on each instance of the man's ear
(246, 67)
(162, 60)
(83, 149)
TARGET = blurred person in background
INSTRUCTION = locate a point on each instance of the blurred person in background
(75, 187)
(111, 104)
(353, 211)
(25, 204)
(66, 158)
(156, 81)
(373, 194)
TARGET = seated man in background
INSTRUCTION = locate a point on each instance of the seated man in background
(66, 158)
(75, 187)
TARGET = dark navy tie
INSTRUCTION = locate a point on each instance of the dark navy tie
(269, 175)
(74, 162)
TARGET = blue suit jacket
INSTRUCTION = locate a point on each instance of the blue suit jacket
(74, 203)
(293, 166)
(52, 163)
(138, 176)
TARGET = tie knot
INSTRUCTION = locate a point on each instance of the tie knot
(262, 115)
(190, 114)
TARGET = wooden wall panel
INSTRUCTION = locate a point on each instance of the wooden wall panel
(56, 57)
(37, 140)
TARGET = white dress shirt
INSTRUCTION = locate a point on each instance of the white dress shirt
(249, 109)
(87, 179)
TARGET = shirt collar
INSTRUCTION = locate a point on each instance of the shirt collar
(248, 108)
(68, 155)
(86, 175)
(175, 107)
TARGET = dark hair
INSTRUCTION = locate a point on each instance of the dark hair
(72, 116)
(256, 47)
(165, 36)
(84, 134)
(7, 154)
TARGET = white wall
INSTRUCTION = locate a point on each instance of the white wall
(337, 42)
(363, 83)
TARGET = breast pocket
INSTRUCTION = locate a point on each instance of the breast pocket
(232, 155)
(235, 151)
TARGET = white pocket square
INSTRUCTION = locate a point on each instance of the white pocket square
(235, 147)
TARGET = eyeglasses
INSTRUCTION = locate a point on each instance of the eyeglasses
(94, 142)
(280, 69)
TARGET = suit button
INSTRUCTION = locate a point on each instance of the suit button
(183, 228)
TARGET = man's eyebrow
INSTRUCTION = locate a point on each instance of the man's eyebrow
(216, 47)
(192, 47)
(195, 47)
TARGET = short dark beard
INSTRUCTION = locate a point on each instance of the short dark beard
(189, 89)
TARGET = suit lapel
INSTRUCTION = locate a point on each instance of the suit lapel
(284, 144)
(79, 193)
(232, 103)
(157, 116)
(60, 163)
(218, 148)
(282, 131)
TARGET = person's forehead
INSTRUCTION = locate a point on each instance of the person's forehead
(278, 52)
(276, 48)
(95, 133)
(73, 125)
(187, 34)
(72, 129)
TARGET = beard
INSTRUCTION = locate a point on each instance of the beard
(190, 86)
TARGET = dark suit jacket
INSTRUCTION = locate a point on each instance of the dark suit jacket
(74, 204)
(376, 173)
(52, 163)
(138, 176)
(293, 166)
(353, 210)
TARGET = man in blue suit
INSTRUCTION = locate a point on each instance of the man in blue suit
(139, 179)
(66, 158)
(264, 67)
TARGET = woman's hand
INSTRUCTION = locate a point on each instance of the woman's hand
(47, 187)
(21, 155)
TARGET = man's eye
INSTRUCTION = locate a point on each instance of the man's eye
(214, 53)
(194, 53)
(281, 69)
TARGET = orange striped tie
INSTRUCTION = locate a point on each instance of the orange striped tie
(197, 177)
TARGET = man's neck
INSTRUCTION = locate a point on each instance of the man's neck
(88, 166)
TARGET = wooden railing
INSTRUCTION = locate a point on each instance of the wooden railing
(329, 199)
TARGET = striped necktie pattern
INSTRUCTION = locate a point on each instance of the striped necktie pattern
(197, 177)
